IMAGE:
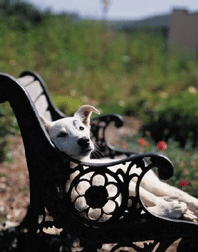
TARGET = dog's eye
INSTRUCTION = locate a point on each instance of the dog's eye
(78, 125)
(62, 134)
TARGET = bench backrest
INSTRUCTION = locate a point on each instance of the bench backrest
(37, 90)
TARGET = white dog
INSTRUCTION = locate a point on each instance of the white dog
(71, 135)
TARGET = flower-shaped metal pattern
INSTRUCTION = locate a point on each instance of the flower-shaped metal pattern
(96, 195)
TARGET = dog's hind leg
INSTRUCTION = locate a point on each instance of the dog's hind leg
(159, 206)
(155, 186)
(173, 210)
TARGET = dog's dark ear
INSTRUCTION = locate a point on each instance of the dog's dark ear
(46, 123)
(84, 113)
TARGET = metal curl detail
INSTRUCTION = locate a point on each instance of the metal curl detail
(103, 193)
(95, 195)
(146, 247)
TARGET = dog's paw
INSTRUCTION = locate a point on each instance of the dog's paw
(189, 215)
(173, 210)
(193, 205)
(178, 210)
(191, 202)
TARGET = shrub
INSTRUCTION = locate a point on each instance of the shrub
(185, 161)
(176, 118)
(67, 104)
(8, 126)
(20, 13)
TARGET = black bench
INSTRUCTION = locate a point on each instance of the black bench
(49, 170)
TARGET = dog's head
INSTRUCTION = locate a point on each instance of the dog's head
(71, 135)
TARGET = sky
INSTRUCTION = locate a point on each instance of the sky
(118, 9)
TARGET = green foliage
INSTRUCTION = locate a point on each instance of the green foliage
(8, 126)
(175, 118)
(67, 104)
(185, 161)
(100, 64)
(20, 14)
(109, 108)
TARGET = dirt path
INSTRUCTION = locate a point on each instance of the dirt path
(14, 184)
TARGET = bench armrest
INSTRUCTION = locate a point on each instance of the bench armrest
(98, 211)
(99, 127)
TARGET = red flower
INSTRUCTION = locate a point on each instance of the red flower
(182, 163)
(143, 142)
(162, 145)
(183, 182)
(62, 91)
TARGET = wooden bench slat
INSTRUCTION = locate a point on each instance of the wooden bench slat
(34, 90)
(41, 104)
(26, 80)
(47, 115)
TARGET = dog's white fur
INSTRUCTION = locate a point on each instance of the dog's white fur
(72, 136)
(68, 132)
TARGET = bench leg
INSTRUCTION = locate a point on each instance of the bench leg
(166, 243)
(89, 249)
(32, 218)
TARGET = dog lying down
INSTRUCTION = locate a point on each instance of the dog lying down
(72, 136)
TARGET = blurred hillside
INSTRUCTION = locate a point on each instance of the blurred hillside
(152, 22)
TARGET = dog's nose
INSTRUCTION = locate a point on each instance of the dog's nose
(83, 142)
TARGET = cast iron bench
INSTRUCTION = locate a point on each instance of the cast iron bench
(128, 222)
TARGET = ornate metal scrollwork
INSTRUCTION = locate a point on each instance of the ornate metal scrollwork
(98, 134)
(103, 192)
(146, 247)
(97, 194)
(98, 200)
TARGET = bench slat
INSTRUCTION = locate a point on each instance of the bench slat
(47, 115)
(26, 80)
(34, 90)
(41, 104)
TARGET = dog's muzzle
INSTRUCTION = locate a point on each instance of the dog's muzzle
(84, 142)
